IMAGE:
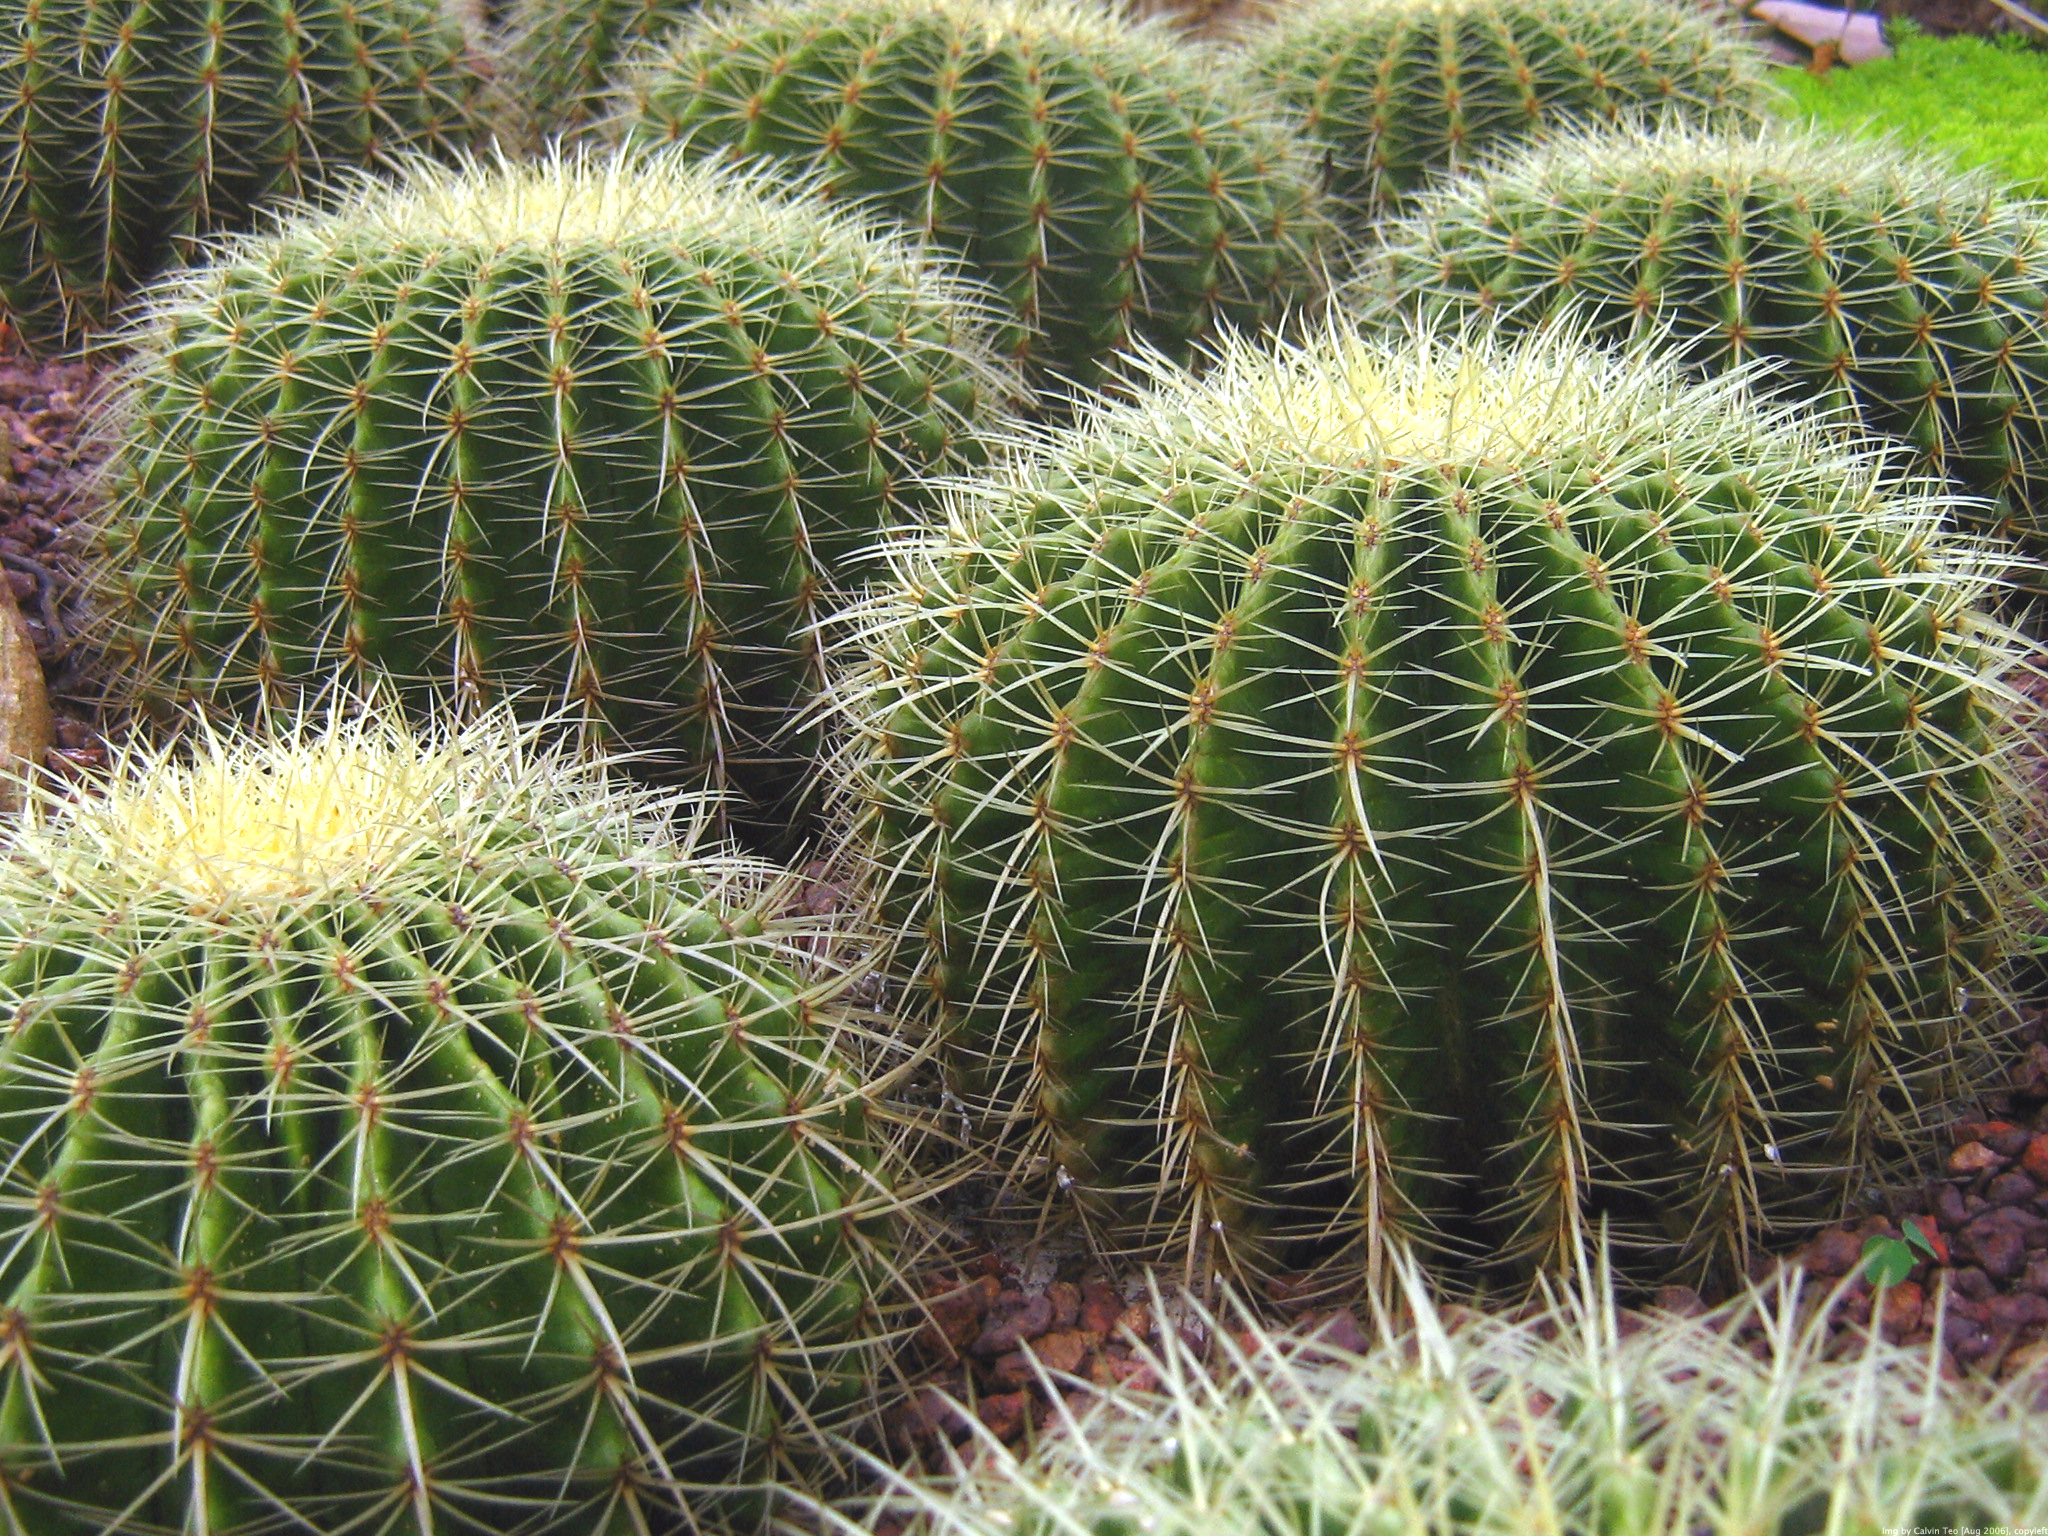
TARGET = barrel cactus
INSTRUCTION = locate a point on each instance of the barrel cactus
(1443, 792)
(413, 1134)
(1887, 286)
(127, 129)
(559, 58)
(1107, 178)
(1400, 91)
(606, 433)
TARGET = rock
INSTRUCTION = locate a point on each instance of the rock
(955, 1317)
(1972, 1284)
(1997, 1240)
(930, 1415)
(1006, 1414)
(2004, 1138)
(1974, 1157)
(1338, 1331)
(1136, 1322)
(1833, 1254)
(1948, 1206)
(2014, 1310)
(1063, 1350)
(1100, 1307)
(2011, 1188)
(2034, 1161)
(1902, 1307)
(1066, 1304)
(1854, 37)
(1014, 1319)
(27, 730)
(1681, 1301)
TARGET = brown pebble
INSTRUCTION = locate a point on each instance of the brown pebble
(1136, 1321)
(1948, 1206)
(2011, 1188)
(1063, 1350)
(1100, 1306)
(2014, 1311)
(1013, 1319)
(1065, 1297)
(1972, 1284)
(1681, 1301)
(1834, 1253)
(1997, 1241)
(1340, 1331)
(1902, 1304)
(929, 1416)
(2034, 1161)
(2005, 1138)
(1973, 1157)
(1006, 1414)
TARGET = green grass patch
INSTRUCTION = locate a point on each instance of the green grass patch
(1985, 100)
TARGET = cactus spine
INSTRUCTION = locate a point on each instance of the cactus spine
(560, 57)
(412, 1134)
(1400, 91)
(127, 129)
(611, 432)
(1884, 286)
(1438, 791)
(1105, 177)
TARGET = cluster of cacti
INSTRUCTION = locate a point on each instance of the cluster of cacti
(1907, 296)
(412, 1134)
(1579, 1418)
(1440, 792)
(559, 58)
(1397, 92)
(127, 130)
(606, 434)
(1114, 184)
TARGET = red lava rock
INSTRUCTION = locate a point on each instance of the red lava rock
(1066, 1304)
(2036, 1277)
(1997, 1241)
(1835, 1252)
(1902, 1307)
(2011, 1188)
(931, 1415)
(1340, 1331)
(2034, 1161)
(1064, 1350)
(1681, 1301)
(2005, 1138)
(1006, 1414)
(1948, 1206)
(1012, 1372)
(2014, 1310)
(1972, 1284)
(955, 1316)
(1014, 1319)
(1974, 1157)
(1136, 1321)
(1100, 1307)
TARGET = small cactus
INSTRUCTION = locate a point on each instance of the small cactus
(1108, 179)
(1441, 791)
(130, 130)
(607, 433)
(1910, 297)
(413, 1134)
(1399, 91)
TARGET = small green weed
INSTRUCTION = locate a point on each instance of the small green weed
(1888, 1260)
(1981, 99)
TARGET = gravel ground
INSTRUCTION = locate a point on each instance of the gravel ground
(995, 1317)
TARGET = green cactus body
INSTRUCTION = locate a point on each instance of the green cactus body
(1436, 793)
(411, 1138)
(1400, 91)
(1103, 176)
(128, 128)
(559, 57)
(1907, 296)
(609, 434)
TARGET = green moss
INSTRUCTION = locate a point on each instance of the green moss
(1981, 99)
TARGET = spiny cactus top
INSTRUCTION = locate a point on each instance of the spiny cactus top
(127, 127)
(413, 1136)
(1399, 91)
(1391, 783)
(612, 431)
(1882, 284)
(1108, 178)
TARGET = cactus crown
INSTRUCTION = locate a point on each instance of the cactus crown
(413, 1129)
(607, 431)
(1883, 284)
(1440, 787)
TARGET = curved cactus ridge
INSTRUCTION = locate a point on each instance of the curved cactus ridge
(127, 130)
(418, 1134)
(1881, 284)
(607, 433)
(1439, 791)
(1398, 92)
(559, 58)
(1110, 180)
